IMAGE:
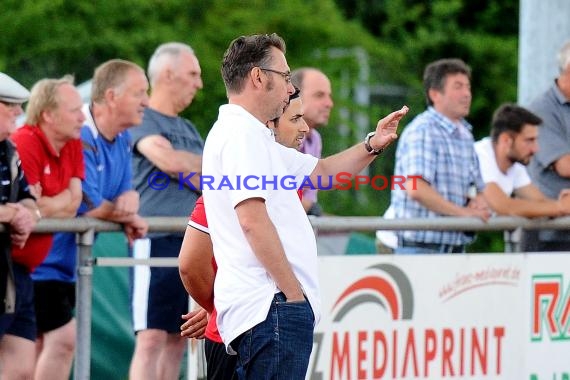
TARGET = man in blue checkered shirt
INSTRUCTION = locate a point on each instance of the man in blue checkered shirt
(438, 146)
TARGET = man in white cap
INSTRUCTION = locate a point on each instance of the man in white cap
(18, 211)
(11, 91)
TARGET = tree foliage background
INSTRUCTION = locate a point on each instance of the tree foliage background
(49, 38)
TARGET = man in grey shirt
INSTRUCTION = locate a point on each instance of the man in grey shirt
(167, 160)
(550, 167)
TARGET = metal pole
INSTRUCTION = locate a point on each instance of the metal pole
(83, 291)
(507, 238)
(543, 28)
(191, 351)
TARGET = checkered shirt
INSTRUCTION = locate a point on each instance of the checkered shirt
(443, 153)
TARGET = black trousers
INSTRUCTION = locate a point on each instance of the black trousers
(220, 364)
(530, 242)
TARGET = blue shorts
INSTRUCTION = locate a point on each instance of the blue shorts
(22, 323)
(158, 297)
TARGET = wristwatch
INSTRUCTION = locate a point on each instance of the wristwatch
(369, 148)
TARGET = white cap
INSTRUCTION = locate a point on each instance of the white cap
(12, 91)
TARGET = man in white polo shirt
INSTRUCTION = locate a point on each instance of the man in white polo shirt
(263, 242)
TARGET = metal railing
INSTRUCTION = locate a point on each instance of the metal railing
(86, 228)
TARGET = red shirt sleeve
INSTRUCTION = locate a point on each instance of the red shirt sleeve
(198, 217)
(29, 148)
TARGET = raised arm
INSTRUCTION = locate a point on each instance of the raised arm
(356, 158)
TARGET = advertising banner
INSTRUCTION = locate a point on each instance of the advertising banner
(547, 315)
(425, 317)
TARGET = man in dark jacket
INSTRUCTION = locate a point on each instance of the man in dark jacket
(19, 215)
(15, 200)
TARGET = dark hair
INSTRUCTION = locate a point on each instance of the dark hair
(436, 73)
(245, 53)
(511, 118)
(293, 96)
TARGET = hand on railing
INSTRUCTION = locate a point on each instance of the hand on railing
(478, 207)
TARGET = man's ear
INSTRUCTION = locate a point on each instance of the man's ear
(506, 137)
(255, 77)
(433, 94)
(169, 74)
(47, 116)
(110, 95)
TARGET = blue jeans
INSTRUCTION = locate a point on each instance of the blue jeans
(279, 347)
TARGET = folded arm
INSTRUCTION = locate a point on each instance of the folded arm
(162, 154)
(64, 204)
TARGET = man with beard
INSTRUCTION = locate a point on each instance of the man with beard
(316, 95)
(502, 159)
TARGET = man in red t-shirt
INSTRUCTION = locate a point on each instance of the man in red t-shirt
(52, 159)
(198, 266)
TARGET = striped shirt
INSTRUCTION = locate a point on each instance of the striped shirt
(443, 153)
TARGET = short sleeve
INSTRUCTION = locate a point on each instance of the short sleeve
(92, 193)
(476, 173)
(127, 180)
(77, 157)
(418, 154)
(29, 147)
(239, 161)
(298, 164)
(146, 128)
(487, 166)
(521, 176)
(198, 217)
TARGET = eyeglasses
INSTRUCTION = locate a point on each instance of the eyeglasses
(285, 74)
(10, 105)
